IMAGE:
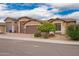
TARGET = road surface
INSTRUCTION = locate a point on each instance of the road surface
(31, 48)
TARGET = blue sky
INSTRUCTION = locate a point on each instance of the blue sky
(40, 10)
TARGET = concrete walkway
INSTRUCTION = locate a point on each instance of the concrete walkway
(29, 37)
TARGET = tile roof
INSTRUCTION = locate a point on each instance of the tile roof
(63, 19)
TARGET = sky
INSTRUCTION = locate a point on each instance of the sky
(40, 11)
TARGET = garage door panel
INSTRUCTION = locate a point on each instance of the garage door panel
(31, 29)
(2, 29)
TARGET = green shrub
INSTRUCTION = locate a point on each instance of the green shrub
(38, 34)
(45, 28)
(73, 31)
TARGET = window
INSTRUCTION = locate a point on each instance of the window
(58, 26)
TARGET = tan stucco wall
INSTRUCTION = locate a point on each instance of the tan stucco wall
(63, 26)
(23, 22)
(8, 25)
(21, 26)
(23, 19)
(11, 24)
(14, 27)
(32, 23)
(70, 23)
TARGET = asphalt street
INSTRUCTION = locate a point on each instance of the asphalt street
(32, 48)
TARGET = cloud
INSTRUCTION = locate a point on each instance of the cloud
(61, 5)
(2, 7)
(54, 10)
(38, 13)
(74, 15)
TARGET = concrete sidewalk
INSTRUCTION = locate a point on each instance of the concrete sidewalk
(29, 37)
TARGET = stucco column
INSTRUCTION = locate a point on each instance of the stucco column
(13, 27)
(5, 29)
(18, 26)
(63, 28)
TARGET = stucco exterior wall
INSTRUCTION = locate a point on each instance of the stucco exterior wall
(24, 19)
(8, 26)
(70, 23)
(32, 23)
(23, 22)
(16, 27)
(63, 26)
(20, 25)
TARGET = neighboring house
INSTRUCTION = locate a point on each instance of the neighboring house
(62, 24)
(29, 26)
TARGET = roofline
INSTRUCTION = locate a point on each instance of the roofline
(51, 20)
(10, 18)
(30, 19)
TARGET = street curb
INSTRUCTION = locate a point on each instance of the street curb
(46, 41)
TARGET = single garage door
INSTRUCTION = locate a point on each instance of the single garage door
(31, 29)
(2, 29)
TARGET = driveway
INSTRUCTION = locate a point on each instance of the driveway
(32, 48)
(62, 39)
(21, 35)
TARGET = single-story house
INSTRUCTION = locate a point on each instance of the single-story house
(29, 26)
(22, 25)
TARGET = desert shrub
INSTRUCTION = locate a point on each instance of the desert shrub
(45, 28)
(73, 31)
(38, 34)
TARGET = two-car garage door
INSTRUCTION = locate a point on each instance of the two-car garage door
(31, 29)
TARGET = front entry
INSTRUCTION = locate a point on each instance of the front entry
(9, 27)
